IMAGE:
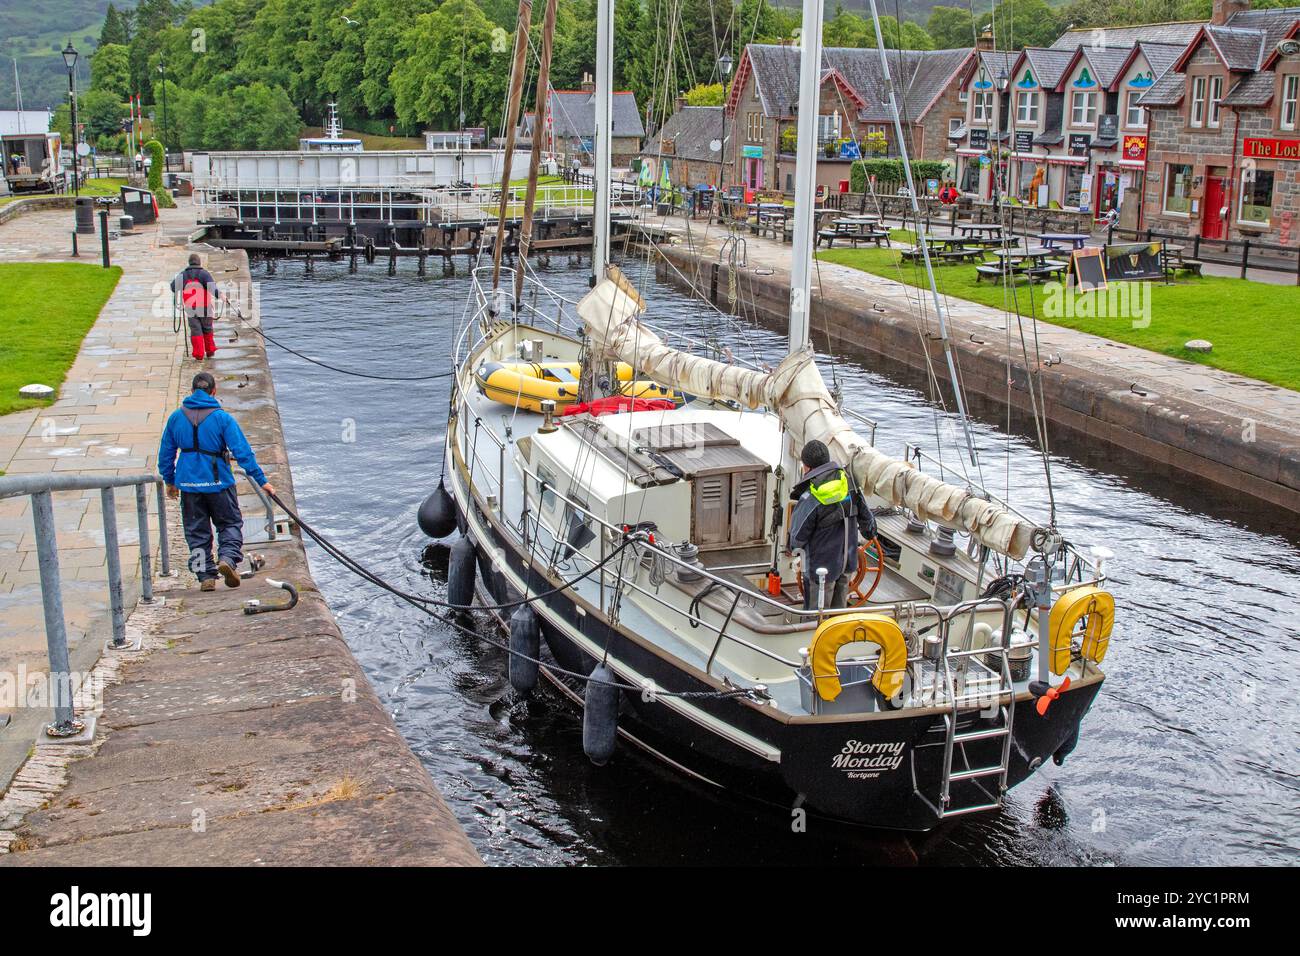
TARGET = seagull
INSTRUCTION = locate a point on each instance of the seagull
(350, 22)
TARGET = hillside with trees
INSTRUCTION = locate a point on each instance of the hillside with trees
(253, 73)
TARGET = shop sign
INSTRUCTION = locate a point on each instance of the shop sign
(979, 139)
(1024, 141)
(1135, 148)
(1271, 148)
(752, 152)
(1108, 126)
(1079, 143)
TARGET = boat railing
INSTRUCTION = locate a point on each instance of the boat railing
(922, 617)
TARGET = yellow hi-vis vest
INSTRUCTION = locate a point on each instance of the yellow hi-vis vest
(832, 492)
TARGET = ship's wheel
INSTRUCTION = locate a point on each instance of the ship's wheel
(866, 572)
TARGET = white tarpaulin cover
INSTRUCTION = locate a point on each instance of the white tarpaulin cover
(795, 390)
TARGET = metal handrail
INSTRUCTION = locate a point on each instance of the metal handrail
(40, 488)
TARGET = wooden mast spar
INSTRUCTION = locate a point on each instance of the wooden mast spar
(512, 121)
(543, 96)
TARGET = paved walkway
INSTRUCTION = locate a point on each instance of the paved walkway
(230, 739)
(106, 420)
(1219, 392)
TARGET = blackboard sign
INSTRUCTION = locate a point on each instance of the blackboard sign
(1079, 144)
(979, 139)
(1024, 141)
(1089, 268)
(1134, 260)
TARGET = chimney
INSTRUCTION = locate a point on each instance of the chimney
(985, 41)
(588, 84)
(1224, 10)
(680, 103)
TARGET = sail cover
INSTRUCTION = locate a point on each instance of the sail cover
(796, 391)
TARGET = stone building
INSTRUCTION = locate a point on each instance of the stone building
(691, 149)
(569, 129)
(853, 115)
(1224, 154)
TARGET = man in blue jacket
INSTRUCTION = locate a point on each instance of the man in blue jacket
(829, 515)
(206, 436)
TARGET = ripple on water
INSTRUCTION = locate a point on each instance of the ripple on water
(1189, 755)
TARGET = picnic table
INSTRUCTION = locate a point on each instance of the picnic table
(972, 229)
(852, 229)
(1052, 239)
(1035, 263)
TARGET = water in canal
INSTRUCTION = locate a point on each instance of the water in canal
(1188, 757)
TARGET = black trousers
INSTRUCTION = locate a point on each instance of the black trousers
(203, 511)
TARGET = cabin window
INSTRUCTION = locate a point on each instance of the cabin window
(1290, 96)
(546, 489)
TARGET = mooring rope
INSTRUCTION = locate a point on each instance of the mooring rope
(422, 604)
(334, 368)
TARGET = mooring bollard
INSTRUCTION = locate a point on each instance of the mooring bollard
(146, 561)
(56, 633)
(103, 237)
(108, 506)
(164, 558)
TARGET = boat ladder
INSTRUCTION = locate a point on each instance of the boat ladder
(988, 781)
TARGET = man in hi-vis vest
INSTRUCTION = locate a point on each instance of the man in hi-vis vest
(205, 437)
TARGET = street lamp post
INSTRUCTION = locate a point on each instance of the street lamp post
(724, 72)
(162, 69)
(70, 61)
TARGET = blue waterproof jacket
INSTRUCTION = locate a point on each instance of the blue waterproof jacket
(205, 470)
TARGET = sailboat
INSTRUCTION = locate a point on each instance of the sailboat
(643, 542)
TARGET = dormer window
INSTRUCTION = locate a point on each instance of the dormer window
(1196, 113)
(1027, 109)
(1290, 96)
(1216, 96)
(1083, 108)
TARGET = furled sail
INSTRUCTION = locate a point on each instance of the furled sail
(796, 391)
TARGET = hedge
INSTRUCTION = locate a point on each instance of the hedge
(158, 160)
(889, 172)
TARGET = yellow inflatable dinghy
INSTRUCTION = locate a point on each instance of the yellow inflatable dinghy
(527, 384)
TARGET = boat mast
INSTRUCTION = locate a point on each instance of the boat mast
(604, 130)
(805, 173)
(512, 120)
(530, 196)
(921, 240)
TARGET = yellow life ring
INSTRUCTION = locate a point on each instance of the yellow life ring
(835, 632)
(527, 384)
(1096, 609)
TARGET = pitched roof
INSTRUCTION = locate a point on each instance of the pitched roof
(1239, 48)
(1255, 89)
(691, 129)
(921, 76)
(1167, 91)
(1179, 32)
(1106, 63)
(1048, 64)
(573, 115)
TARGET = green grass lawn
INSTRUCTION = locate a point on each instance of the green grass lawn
(103, 186)
(46, 309)
(1255, 327)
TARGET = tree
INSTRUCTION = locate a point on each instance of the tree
(158, 159)
(116, 28)
(454, 42)
(951, 28)
(110, 70)
(1022, 23)
(706, 94)
(102, 112)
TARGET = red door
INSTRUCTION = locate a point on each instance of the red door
(1216, 192)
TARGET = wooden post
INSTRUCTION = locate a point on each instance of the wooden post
(512, 120)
